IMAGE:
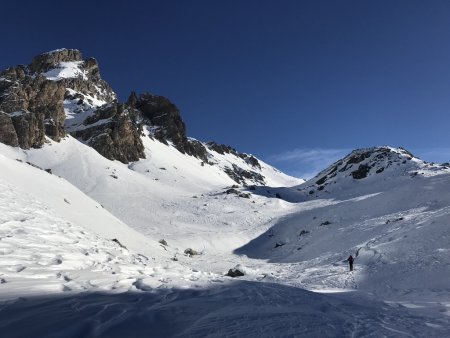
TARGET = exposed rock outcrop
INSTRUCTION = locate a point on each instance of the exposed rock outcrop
(8, 133)
(240, 175)
(166, 123)
(46, 61)
(29, 129)
(35, 94)
(224, 149)
(113, 132)
(37, 97)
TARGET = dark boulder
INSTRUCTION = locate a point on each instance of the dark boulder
(190, 252)
(234, 273)
(163, 242)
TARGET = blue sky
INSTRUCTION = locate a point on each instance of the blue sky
(297, 83)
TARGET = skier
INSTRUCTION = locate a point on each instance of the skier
(350, 262)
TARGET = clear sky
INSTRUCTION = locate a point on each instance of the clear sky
(297, 83)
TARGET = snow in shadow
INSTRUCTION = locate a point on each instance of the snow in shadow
(239, 309)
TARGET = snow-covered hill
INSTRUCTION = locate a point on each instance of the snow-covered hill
(394, 218)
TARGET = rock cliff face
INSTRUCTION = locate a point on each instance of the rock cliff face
(61, 93)
(112, 130)
(54, 95)
(166, 124)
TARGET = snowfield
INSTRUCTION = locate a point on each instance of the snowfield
(66, 70)
(80, 252)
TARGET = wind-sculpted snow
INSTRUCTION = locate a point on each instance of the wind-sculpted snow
(242, 309)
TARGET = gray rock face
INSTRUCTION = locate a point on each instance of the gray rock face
(35, 101)
(29, 129)
(224, 149)
(37, 95)
(46, 61)
(8, 134)
(157, 111)
(114, 133)
(240, 175)
(236, 173)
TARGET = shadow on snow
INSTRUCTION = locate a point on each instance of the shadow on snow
(240, 308)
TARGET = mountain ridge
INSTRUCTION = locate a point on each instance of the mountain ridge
(61, 93)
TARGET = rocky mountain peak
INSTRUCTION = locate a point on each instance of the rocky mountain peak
(35, 99)
(61, 93)
(46, 61)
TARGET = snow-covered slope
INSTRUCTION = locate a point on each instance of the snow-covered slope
(395, 220)
(162, 195)
(53, 238)
(399, 243)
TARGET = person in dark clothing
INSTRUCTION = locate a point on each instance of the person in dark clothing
(350, 262)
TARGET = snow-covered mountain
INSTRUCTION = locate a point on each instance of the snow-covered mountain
(384, 206)
(114, 223)
(60, 93)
